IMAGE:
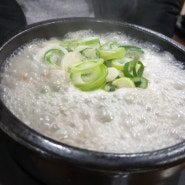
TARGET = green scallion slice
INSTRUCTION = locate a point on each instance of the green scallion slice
(72, 44)
(86, 64)
(133, 51)
(110, 45)
(123, 82)
(112, 53)
(93, 66)
(89, 76)
(138, 69)
(133, 69)
(140, 82)
(90, 53)
(53, 56)
(120, 62)
(133, 48)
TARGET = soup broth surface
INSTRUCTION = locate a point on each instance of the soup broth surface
(124, 121)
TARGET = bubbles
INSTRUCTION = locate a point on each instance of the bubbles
(46, 120)
(179, 85)
(104, 115)
(127, 120)
(56, 85)
(148, 108)
(45, 89)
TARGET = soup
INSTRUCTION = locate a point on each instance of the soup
(123, 120)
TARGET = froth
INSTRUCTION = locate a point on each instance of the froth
(127, 120)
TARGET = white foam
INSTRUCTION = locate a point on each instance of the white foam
(127, 120)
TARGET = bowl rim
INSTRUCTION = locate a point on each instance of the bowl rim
(87, 158)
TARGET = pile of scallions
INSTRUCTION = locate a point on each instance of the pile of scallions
(107, 66)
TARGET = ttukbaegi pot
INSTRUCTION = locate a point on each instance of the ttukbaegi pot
(55, 163)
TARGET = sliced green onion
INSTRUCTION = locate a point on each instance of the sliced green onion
(71, 59)
(89, 76)
(133, 69)
(72, 44)
(112, 74)
(128, 69)
(119, 63)
(112, 53)
(114, 45)
(133, 51)
(123, 82)
(110, 88)
(138, 69)
(110, 45)
(140, 82)
(86, 64)
(133, 48)
(89, 41)
(53, 56)
(90, 53)
(94, 66)
(121, 74)
(108, 63)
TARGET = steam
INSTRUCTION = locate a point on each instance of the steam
(39, 10)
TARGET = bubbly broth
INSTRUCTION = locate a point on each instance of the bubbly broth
(126, 120)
